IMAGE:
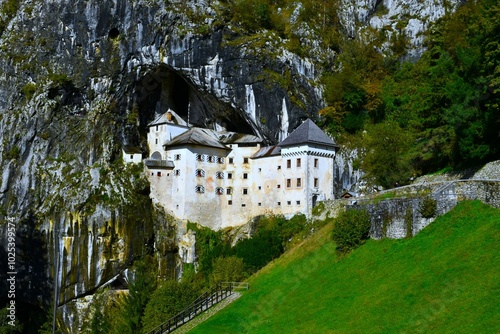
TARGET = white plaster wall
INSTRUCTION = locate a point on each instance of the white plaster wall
(135, 158)
(159, 135)
(265, 184)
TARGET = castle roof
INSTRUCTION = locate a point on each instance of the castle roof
(170, 117)
(197, 136)
(211, 138)
(267, 151)
(237, 138)
(308, 133)
(129, 149)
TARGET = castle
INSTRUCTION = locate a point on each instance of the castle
(221, 178)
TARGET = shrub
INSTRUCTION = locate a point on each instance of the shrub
(168, 300)
(318, 209)
(265, 245)
(228, 269)
(29, 90)
(350, 229)
(428, 207)
(209, 246)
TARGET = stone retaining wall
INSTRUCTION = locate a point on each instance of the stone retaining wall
(400, 217)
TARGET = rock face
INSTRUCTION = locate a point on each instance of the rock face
(409, 19)
(81, 79)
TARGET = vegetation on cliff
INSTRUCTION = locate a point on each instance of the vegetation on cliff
(440, 111)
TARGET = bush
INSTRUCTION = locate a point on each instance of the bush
(228, 269)
(209, 246)
(350, 229)
(428, 207)
(169, 299)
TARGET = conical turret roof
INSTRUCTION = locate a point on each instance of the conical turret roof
(308, 133)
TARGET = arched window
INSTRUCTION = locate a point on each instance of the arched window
(156, 155)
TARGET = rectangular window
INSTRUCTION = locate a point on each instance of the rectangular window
(279, 167)
(156, 141)
(288, 183)
(298, 202)
(177, 172)
(245, 176)
(260, 204)
(298, 162)
(230, 202)
(177, 157)
(219, 191)
(158, 174)
(245, 160)
(199, 173)
(288, 202)
(200, 189)
(219, 175)
(289, 163)
(279, 203)
(316, 182)
(243, 205)
(299, 182)
(260, 188)
(230, 161)
(131, 156)
(220, 160)
(245, 191)
(157, 128)
(278, 186)
(229, 175)
(229, 191)
(199, 157)
(316, 163)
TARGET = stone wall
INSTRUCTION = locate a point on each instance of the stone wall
(401, 216)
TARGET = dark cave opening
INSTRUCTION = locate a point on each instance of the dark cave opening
(113, 33)
(163, 88)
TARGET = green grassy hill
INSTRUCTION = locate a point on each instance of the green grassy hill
(444, 280)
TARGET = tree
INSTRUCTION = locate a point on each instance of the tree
(140, 290)
(350, 229)
(168, 300)
(6, 325)
(385, 160)
(228, 269)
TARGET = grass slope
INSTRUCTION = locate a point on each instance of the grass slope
(444, 280)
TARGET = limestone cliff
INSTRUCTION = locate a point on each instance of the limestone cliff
(81, 79)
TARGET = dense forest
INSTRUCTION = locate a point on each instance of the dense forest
(408, 117)
(439, 112)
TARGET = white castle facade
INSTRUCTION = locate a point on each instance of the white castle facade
(221, 179)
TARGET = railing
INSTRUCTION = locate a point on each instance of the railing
(236, 285)
(201, 304)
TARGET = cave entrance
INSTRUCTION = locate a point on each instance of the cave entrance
(163, 88)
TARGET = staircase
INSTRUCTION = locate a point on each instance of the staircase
(200, 305)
